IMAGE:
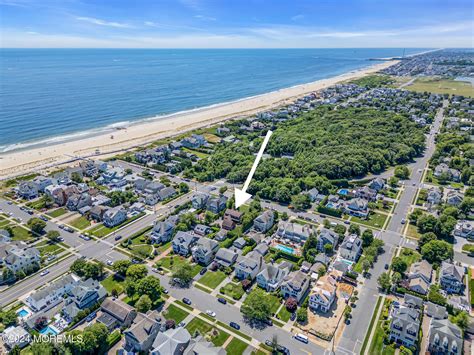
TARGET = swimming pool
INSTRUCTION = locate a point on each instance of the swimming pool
(49, 331)
(285, 249)
(343, 192)
(22, 313)
(329, 205)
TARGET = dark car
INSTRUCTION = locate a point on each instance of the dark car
(386, 266)
(44, 218)
(293, 316)
(187, 301)
(282, 349)
(268, 322)
(234, 325)
(118, 237)
(203, 271)
(222, 300)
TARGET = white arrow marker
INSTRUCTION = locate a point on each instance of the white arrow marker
(241, 196)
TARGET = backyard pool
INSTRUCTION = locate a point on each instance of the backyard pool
(285, 249)
(22, 313)
(49, 331)
(343, 192)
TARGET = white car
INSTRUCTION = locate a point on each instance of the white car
(109, 262)
(44, 272)
(211, 313)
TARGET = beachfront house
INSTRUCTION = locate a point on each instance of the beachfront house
(28, 190)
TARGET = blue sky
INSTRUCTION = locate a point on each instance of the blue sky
(236, 23)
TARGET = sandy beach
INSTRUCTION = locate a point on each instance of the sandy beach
(25, 161)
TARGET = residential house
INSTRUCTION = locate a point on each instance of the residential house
(199, 201)
(323, 294)
(114, 216)
(240, 243)
(261, 248)
(454, 198)
(444, 337)
(116, 313)
(434, 196)
(436, 311)
(183, 242)
(143, 331)
(77, 201)
(451, 277)
(51, 294)
(57, 193)
(226, 257)
(248, 266)
(419, 276)
(464, 229)
(294, 231)
(28, 190)
(166, 193)
(195, 141)
(295, 285)
(264, 221)
(15, 336)
(228, 224)
(19, 257)
(351, 248)
(173, 341)
(271, 276)
(216, 204)
(313, 194)
(377, 184)
(202, 230)
(404, 326)
(204, 251)
(234, 215)
(357, 207)
(366, 193)
(83, 295)
(97, 213)
(42, 182)
(327, 236)
(200, 346)
(162, 232)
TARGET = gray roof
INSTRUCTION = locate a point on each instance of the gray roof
(143, 325)
(171, 342)
(451, 270)
(117, 308)
(226, 255)
(59, 283)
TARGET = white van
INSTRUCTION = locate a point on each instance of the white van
(301, 337)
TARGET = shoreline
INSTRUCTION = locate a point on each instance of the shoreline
(18, 162)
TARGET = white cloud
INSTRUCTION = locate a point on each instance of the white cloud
(205, 18)
(297, 17)
(100, 22)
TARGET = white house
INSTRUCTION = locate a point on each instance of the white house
(114, 216)
(323, 294)
(295, 285)
(271, 276)
(51, 294)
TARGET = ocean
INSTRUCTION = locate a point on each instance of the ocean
(53, 95)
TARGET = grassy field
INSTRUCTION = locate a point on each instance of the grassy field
(46, 248)
(212, 279)
(22, 234)
(372, 323)
(218, 337)
(80, 223)
(113, 282)
(442, 86)
(200, 155)
(168, 262)
(375, 220)
(284, 315)
(471, 285)
(236, 347)
(377, 345)
(57, 212)
(233, 290)
(412, 231)
(175, 313)
(410, 256)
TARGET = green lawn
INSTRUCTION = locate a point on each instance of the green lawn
(377, 345)
(168, 262)
(46, 248)
(375, 220)
(233, 290)
(242, 335)
(142, 251)
(175, 313)
(412, 231)
(442, 86)
(284, 314)
(22, 234)
(371, 325)
(471, 285)
(212, 279)
(80, 223)
(57, 212)
(236, 347)
(112, 282)
(101, 231)
(410, 256)
(218, 337)
(195, 152)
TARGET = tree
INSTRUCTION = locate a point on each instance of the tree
(413, 217)
(150, 286)
(393, 181)
(9, 318)
(170, 323)
(136, 272)
(435, 296)
(36, 225)
(121, 266)
(291, 304)
(326, 223)
(425, 238)
(328, 248)
(399, 265)
(246, 284)
(340, 229)
(437, 251)
(301, 202)
(7, 274)
(366, 266)
(302, 315)
(367, 237)
(256, 306)
(402, 172)
(461, 319)
(396, 278)
(354, 229)
(426, 223)
(183, 272)
(76, 177)
(53, 235)
(183, 187)
(143, 304)
(445, 226)
(94, 340)
(384, 281)
(223, 189)
(284, 216)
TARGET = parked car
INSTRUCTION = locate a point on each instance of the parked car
(187, 301)
(222, 300)
(293, 316)
(386, 267)
(43, 218)
(118, 237)
(181, 324)
(154, 269)
(109, 262)
(211, 313)
(165, 291)
(282, 349)
(234, 325)
(44, 272)
(203, 271)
